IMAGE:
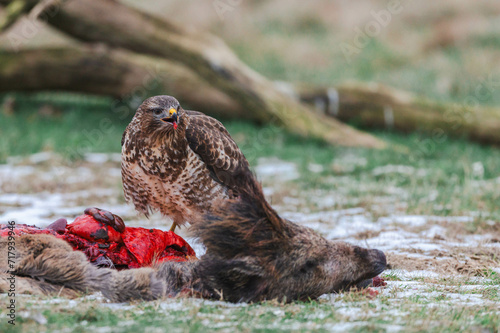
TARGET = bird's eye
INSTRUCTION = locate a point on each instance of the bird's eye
(157, 111)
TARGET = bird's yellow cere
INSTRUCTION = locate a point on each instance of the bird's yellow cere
(172, 111)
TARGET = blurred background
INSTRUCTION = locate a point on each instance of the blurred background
(373, 122)
(447, 52)
(64, 98)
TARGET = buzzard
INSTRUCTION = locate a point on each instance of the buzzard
(179, 162)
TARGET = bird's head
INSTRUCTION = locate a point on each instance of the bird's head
(160, 113)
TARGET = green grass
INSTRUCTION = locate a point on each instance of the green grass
(78, 125)
(445, 168)
(422, 74)
(191, 315)
(445, 181)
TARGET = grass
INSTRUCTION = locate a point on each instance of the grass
(444, 180)
(192, 315)
(449, 177)
(72, 126)
(416, 174)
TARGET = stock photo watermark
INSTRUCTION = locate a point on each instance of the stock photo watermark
(11, 279)
(459, 116)
(373, 28)
(223, 7)
(120, 110)
(30, 26)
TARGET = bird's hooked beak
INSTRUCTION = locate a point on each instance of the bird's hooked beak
(172, 118)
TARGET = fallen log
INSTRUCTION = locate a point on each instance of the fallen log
(120, 26)
(380, 107)
(119, 73)
(13, 11)
(114, 73)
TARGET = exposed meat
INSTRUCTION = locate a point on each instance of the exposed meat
(97, 234)
(379, 282)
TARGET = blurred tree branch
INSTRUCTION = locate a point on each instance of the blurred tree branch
(203, 72)
(378, 106)
(118, 73)
(13, 11)
(110, 72)
(117, 25)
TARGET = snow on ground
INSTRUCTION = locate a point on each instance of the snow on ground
(28, 195)
(414, 235)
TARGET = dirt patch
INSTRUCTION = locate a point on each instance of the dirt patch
(466, 261)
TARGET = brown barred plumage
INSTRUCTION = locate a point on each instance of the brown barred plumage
(179, 162)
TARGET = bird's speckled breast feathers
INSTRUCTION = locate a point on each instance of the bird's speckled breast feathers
(162, 173)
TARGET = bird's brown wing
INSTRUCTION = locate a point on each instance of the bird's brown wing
(209, 139)
(195, 113)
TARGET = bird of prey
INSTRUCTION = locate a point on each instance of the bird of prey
(179, 162)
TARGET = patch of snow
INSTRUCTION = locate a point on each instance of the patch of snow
(409, 220)
(326, 201)
(276, 169)
(351, 312)
(13, 160)
(398, 169)
(97, 158)
(197, 246)
(291, 201)
(409, 275)
(348, 163)
(119, 306)
(8, 172)
(115, 172)
(79, 175)
(315, 168)
(115, 157)
(172, 306)
(41, 157)
(433, 231)
(36, 316)
(345, 327)
(327, 216)
(477, 170)
(426, 247)
(351, 225)
(459, 219)
(36, 209)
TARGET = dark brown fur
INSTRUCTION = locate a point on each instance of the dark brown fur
(252, 255)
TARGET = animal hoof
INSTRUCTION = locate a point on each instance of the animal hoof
(106, 217)
(58, 225)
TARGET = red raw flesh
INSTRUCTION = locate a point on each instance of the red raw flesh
(378, 282)
(134, 248)
(370, 292)
(153, 245)
(22, 229)
(87, 227)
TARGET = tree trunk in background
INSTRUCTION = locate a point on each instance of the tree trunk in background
(114, 73)
(202, 72)
(120, 73)
(377, 106)
(117, 25)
